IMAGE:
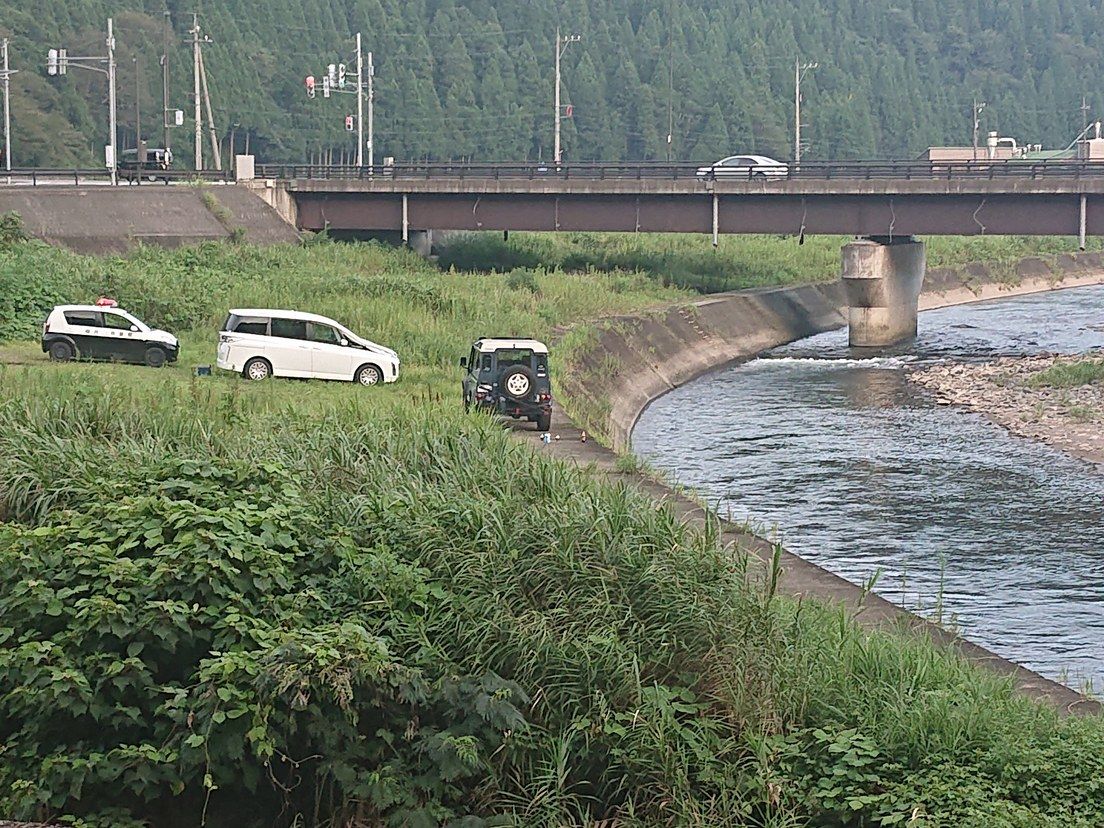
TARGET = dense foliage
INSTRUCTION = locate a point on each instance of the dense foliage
(318, 604)
(473, 78)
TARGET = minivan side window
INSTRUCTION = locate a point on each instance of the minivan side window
(289, 328)
(324, 334)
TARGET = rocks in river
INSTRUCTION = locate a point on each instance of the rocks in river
(1069, 418)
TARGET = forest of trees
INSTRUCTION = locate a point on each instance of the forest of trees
(473, 78)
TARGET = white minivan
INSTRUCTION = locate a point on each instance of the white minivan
(259, 344)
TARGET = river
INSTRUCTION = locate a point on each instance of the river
(838, 456)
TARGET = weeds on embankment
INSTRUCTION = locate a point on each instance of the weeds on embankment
(319, 604)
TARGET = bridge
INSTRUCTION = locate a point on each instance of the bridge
(884, 204)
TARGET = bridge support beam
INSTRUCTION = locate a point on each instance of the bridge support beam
(882, 278)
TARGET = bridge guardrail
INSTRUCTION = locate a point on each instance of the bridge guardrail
(620, 171)
(35, 176)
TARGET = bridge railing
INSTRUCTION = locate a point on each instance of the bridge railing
(42, 176)
(620, 171)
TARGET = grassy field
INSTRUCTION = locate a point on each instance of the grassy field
(691, 262)
(308, 604)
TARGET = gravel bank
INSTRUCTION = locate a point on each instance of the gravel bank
(1068, 418)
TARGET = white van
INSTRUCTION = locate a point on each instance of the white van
(259, 344)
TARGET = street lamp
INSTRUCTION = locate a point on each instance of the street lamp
(562, 42)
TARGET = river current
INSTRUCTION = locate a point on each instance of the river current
(834, 453)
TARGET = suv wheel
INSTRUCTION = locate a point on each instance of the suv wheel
(544, 421)
(518, 382)
(257, 369)
(156, 357)
(369, 375)
(61, 351)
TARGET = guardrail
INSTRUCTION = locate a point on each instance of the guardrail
(820, 170)
(36, 176)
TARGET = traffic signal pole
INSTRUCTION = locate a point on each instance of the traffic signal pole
(360, 103)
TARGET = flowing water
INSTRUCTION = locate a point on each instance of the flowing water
(858, 471)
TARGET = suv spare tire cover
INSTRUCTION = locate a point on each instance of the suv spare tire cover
(518, 382)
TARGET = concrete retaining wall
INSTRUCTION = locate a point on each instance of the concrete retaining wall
(632, 360)
(102, 219)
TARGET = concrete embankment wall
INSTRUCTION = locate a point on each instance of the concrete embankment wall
(101, 219)
(631, 360)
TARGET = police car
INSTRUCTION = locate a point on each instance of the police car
(104, 331)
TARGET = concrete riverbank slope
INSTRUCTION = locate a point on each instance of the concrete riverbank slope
(618, 365)
(100, 219)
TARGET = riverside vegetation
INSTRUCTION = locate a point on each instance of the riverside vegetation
(318, 604)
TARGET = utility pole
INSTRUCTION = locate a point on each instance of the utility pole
(371, 111)
(799, 73)
(215, 151)
(58, 63)
(978, 107)
(562, 43)
(360, 107)
(137, 107)
(670, 82)
(1084, 115)
(7, 111)
(113, 162)
(165, 81)
(194, 31)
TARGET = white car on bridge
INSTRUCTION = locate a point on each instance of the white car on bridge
(745, 166)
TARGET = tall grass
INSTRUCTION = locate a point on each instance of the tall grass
(738, 262)
(646, 674)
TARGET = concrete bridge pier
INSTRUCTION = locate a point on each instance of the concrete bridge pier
(882, 277)
(420, 241)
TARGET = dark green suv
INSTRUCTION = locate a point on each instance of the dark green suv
(509, 377)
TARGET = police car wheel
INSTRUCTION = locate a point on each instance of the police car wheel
(156, 357)
(61, 351)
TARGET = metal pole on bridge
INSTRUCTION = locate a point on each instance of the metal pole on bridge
(360, 103)
(7, 113)
(114, 160)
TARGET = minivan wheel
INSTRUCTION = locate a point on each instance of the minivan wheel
(369, 375)
(156, 357)
(61, 351)
(257, 369)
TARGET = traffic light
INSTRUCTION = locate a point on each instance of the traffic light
(331, 73)
(52, 62)
(341, 76)
(349, 123)
(569, 111)
(326, 84)
(63, 61)
(309, 82)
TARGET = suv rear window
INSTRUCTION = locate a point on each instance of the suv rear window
(518, 356)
